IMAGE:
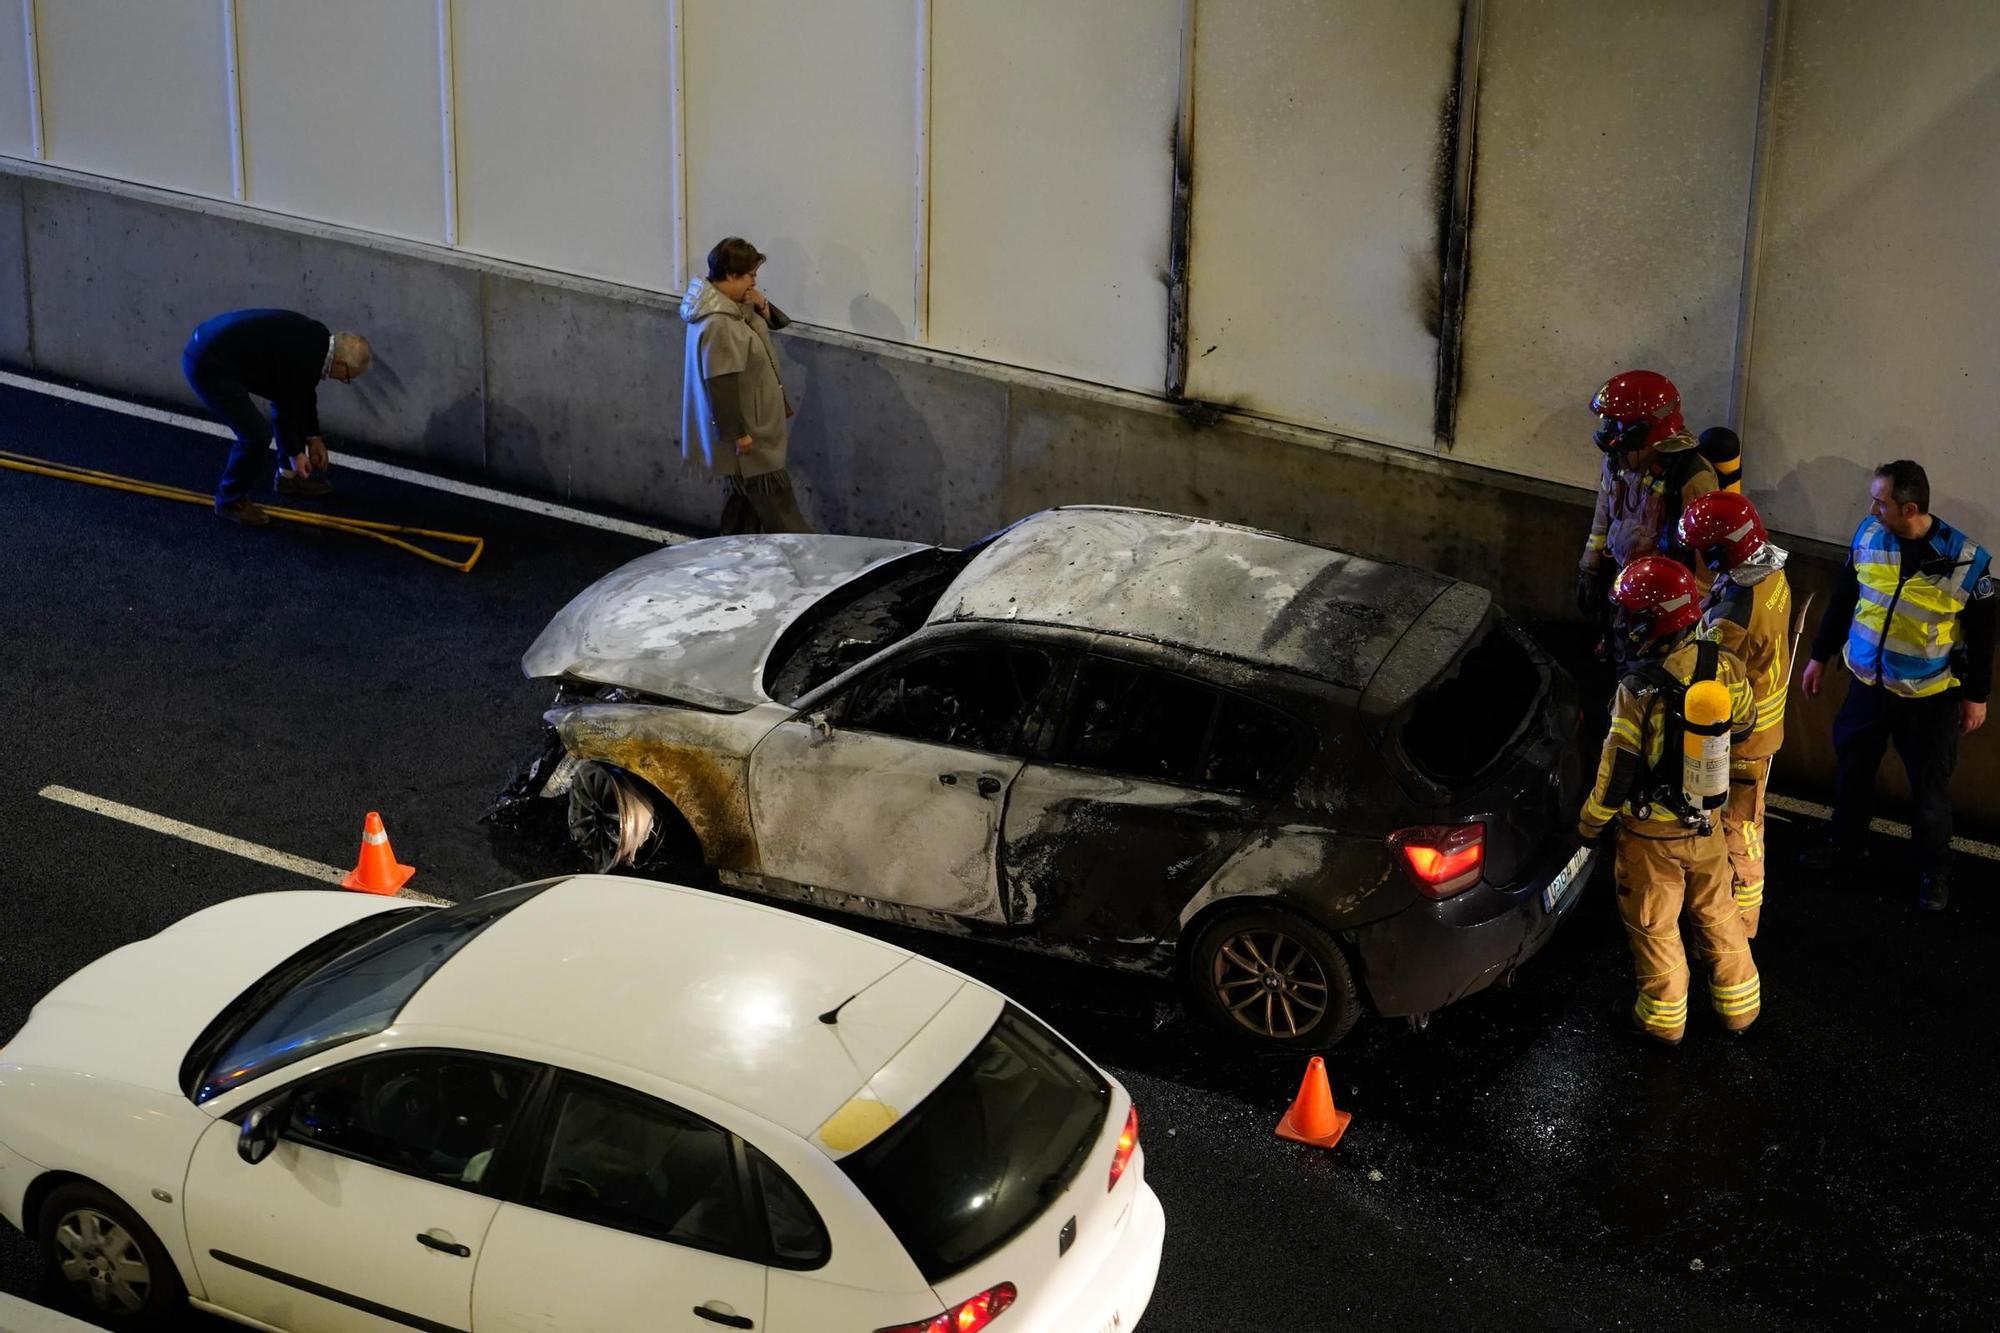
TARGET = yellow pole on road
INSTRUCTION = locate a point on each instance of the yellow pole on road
(391, 533)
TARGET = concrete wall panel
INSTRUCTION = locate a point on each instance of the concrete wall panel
(424, 394)
(893, 447)
(1607, 221)
(16, 129)
(565, 136)
(107, 311)
(341, 115)
(1315, 219)
(1879, 302)
(1054, 260)
(15, 342)
(140, 92)
(801, 136)
(610, 441)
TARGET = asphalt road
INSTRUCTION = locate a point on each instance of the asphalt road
(1519, 1164)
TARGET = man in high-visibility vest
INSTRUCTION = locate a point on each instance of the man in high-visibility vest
(1749, 612)
(1670, 850)
(1916, 609)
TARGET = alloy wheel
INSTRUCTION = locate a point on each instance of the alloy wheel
(609, 819)
(98, 1256)
(1270, 983)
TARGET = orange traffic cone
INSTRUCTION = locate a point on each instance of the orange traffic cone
(1313, 1119)
(377, 870)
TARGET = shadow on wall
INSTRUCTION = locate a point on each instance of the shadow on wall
(852, 476)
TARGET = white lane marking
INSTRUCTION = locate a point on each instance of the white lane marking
(221, 842)
(1793, 806)
(546, 508)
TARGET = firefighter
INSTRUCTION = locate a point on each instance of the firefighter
(1670, 849)
(1652, 469)
(1749, 612)
(1916, 612)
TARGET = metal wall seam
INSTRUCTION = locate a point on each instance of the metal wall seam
(448, 120)
(239, 182)
(1777, 14)
(34, 68)
(677, 140)
(1455, 247)
(1180, 214)
(921, 203)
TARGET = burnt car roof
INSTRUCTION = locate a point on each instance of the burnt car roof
(1198, 584)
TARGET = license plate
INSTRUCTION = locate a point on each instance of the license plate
(1566, 879)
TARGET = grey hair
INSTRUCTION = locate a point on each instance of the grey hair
(353, 349)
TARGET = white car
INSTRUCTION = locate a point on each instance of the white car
(583, 1104)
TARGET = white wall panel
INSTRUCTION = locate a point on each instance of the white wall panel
(802, 139)
(1878, 308)
(16, 128)
(341, 112)
(1315, 218)
(1608, 217)
(137, 91)
(565, 135)
(1051, 181)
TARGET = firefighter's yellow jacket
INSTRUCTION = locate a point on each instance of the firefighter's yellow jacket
(1632, 507)
(1638, 727)
(1753, 622)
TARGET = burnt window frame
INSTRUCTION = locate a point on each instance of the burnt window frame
(1302, 738)
(834, 698)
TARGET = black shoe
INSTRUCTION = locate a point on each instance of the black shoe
(291, 483)
(246, 512)
(1934, 892)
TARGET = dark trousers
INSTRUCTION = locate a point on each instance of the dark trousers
(250, 459)
(764, 503)
(1926, 735)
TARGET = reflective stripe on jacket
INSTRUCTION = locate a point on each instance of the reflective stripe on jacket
(1754, 621)
(1904, 629)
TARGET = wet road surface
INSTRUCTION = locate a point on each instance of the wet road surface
(1518, 1164)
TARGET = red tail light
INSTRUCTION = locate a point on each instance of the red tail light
(1443, 859)
(965, 1317)
(1126, 1143)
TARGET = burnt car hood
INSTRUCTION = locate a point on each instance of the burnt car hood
(695, 621)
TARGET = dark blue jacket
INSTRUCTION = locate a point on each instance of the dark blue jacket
(275, 354)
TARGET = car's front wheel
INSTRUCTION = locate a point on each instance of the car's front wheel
(1275, 977)
(106, 1260)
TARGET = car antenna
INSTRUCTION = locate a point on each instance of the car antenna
(832, 1016)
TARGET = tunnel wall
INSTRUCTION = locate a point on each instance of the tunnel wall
(568, 388)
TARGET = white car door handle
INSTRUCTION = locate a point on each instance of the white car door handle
(429, 1241)
(715, 1316)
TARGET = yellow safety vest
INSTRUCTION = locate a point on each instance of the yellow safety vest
(1904, 629)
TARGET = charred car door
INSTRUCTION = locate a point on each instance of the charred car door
(894, 790)
(1152, 781)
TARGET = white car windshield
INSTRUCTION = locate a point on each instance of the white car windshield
(350, 984)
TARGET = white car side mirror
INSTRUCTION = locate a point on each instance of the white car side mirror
(260, 1130)
(822, 726)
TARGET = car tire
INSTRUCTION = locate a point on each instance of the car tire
(102, 1260)
(1272, 977)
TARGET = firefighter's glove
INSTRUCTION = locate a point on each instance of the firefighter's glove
(1589, 593)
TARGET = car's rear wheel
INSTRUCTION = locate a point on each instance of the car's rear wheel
(107, 1261)
(1276, 978)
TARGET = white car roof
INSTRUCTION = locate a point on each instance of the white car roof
(715, 994)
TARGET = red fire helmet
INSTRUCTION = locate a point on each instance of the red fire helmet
(1633, 399)
(1722, 529)
(1658, 596)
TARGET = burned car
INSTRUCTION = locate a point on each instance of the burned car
(1303, 780)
